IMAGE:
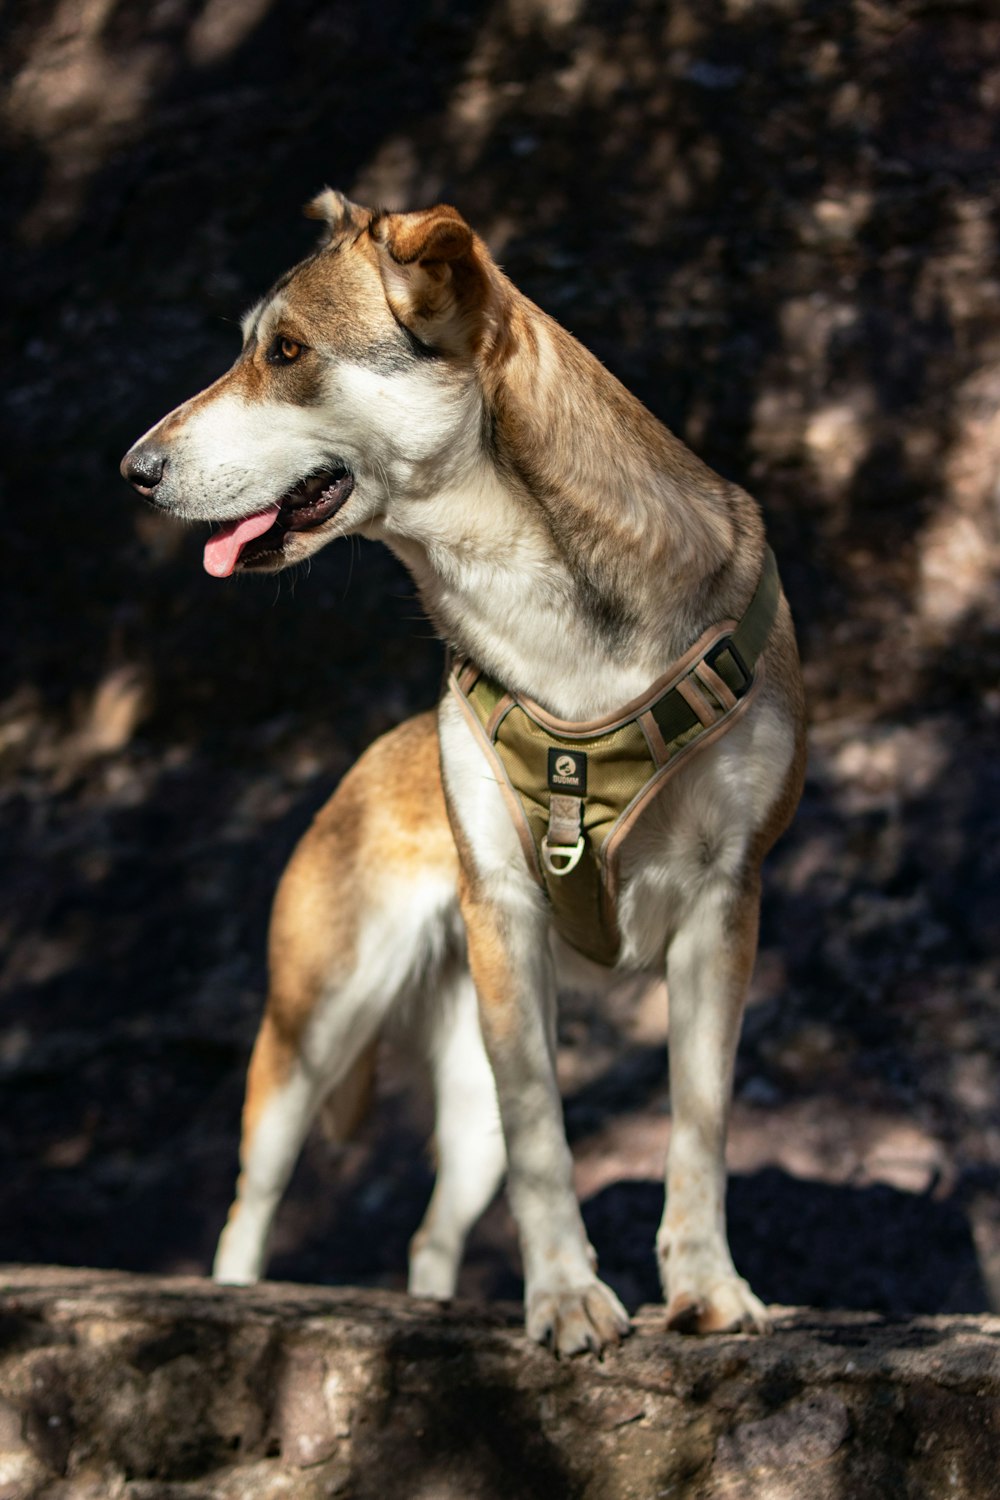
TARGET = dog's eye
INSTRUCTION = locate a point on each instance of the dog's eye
(283, 351)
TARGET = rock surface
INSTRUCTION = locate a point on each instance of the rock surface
(118, 1387)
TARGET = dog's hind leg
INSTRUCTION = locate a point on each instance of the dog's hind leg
(365, 916)
(282, 1099)
(328, 1064)
(468, 1138)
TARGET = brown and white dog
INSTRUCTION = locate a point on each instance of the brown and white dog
(396, 385)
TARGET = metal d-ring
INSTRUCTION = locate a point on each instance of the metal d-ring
(561, 851)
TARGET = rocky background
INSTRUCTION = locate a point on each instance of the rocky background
(777, 221)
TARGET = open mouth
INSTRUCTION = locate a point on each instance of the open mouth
(260, 538)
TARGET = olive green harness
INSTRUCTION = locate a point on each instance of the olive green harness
(576, 790)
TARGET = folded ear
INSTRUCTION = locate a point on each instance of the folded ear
(435, 274)
(338, 213)
(430, 236)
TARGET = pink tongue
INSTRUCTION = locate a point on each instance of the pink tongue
(223, 549)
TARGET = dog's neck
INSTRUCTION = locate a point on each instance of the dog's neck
(582, 547)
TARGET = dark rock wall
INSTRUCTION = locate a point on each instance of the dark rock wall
(776, 220)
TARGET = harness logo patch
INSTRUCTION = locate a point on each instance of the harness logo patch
(567, 772)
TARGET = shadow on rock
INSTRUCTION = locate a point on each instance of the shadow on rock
(813, 1244)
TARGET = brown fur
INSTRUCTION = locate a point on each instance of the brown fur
(388, 811)
(271, 1062)
(488, 960)
(347, 1106)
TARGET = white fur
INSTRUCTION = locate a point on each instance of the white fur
(233, 458)
(468, 1136)
(267, 1166)
(694, 836)
(406, 423)
(423, 919)
(508, 598)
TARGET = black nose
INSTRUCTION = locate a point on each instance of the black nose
(143, 468)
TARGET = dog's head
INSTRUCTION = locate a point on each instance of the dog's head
(355, 395)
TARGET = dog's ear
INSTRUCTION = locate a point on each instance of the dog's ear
(429, 237)
(337, 213)
(435, 274)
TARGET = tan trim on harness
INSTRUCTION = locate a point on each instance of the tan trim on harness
(575, 790)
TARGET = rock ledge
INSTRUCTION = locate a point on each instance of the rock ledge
(120, 1387)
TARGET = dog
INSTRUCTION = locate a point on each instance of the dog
(396, 385)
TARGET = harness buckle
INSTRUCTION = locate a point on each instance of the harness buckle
(727, 644)
(571, 853)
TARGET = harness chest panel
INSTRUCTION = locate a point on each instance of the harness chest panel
(576, 790)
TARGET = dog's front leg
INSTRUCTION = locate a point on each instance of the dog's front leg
(708, 972)
(507, 932)
(566, 1305)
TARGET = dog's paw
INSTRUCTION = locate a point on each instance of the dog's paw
(577, 1320)
(239, 1260)
(234, 1275)
(433, 1270)
(727, 1306)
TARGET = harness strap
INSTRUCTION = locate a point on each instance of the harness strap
(564, 843)
(575, 790)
